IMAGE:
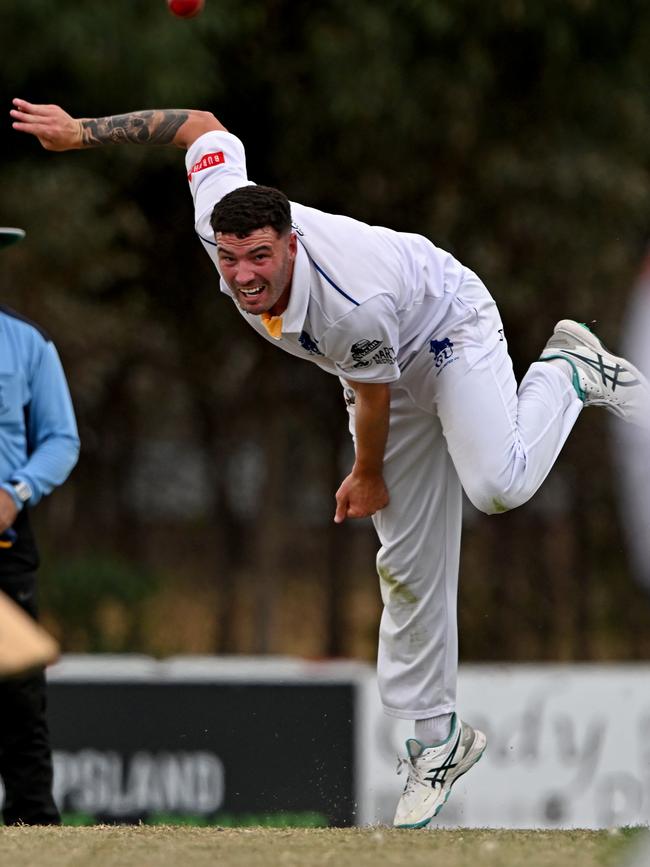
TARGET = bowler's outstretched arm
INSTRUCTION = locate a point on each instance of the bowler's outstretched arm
(58, 131)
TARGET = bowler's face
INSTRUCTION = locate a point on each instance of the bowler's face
(258, 268)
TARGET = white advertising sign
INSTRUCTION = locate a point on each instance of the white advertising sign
(568, 746)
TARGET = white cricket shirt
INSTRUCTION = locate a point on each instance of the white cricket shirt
(363, 298)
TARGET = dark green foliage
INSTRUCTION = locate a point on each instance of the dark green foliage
(99, 599)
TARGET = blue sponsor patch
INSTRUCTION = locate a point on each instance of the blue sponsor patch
(443, 350)
(309, 344)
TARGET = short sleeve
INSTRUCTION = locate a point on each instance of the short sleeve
(364, 344)
(216, 165)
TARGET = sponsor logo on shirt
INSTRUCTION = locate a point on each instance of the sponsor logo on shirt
(207, 162)
(384, 356)
(361, 348)
(443, 350)
(309, 344)
(349, 396)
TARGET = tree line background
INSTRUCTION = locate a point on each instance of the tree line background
(515, 134)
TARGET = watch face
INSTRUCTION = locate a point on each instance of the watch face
(23, 491)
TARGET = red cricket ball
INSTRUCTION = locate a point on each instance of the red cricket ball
(185, 8)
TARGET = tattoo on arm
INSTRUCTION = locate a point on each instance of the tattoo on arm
(139, 127)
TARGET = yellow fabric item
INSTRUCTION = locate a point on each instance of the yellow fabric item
(273, 325)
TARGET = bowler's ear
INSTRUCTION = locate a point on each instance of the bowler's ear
(293, 245)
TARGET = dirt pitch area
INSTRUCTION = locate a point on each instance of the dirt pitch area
(145, 846)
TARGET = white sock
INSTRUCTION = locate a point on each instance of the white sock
(434, 730)
(562, 364)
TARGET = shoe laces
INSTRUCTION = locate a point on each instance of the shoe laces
(415, 776)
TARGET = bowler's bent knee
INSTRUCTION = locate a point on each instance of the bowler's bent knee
(494, 499)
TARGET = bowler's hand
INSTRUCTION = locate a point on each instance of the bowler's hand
(8, 510)
(360, 496)
(50, 124)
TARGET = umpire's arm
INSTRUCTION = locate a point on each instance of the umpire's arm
(53, 441)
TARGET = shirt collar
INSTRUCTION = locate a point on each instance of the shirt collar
(293, 318)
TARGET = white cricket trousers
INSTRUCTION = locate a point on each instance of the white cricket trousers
(457, 421)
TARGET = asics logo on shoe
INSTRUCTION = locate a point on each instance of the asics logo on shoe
(609, 373)
(439, 774)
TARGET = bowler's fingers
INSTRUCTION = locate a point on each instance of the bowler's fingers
(26, 125)
(31, 118)
(31, 108)
(342, 510)
(50, 124)
(41, 132)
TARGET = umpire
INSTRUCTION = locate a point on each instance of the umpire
(39, 446)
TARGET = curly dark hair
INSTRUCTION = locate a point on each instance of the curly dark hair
(248, 208)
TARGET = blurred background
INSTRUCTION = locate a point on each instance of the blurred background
(199, 520)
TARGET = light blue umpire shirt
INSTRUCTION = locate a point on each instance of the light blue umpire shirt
(39, 443)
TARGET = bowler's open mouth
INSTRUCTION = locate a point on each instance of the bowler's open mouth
(250, 293)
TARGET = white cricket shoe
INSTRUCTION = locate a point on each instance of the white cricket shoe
(599, 377)
(432, 771)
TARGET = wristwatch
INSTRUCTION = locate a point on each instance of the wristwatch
(22, 490)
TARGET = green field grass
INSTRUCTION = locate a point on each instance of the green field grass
(144, 846)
